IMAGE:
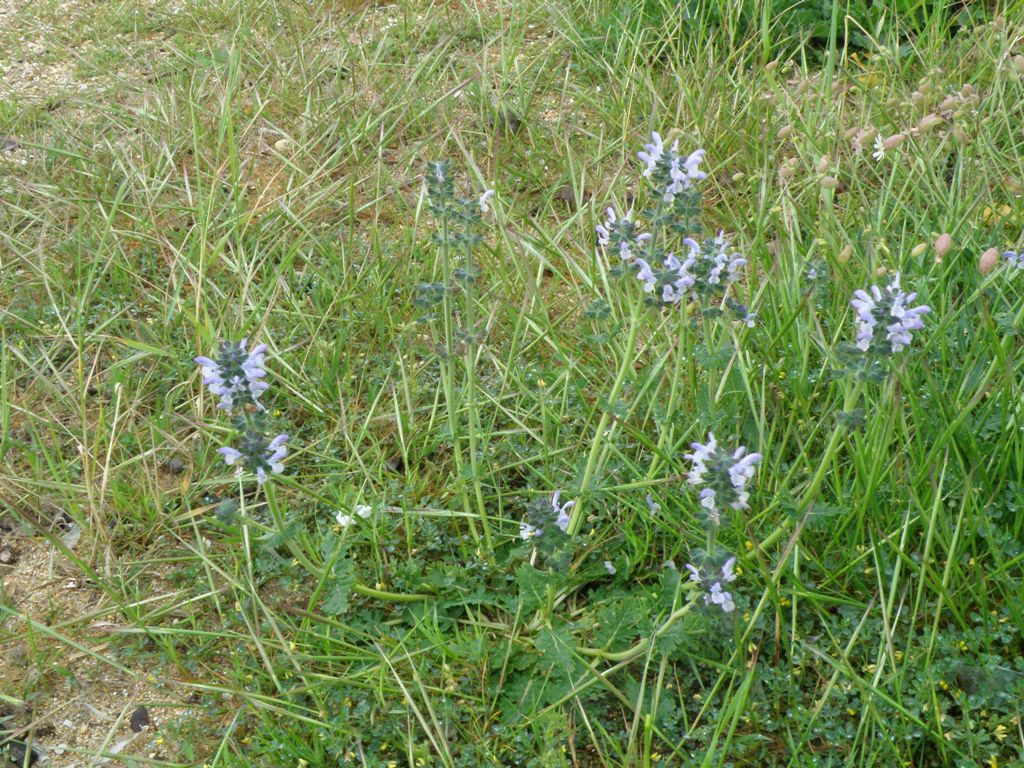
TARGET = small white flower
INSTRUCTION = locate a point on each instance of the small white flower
(344, 520)
(527, 531)
(363, 510)
(608, 566)
(879, 152)
(486, 198)
(653, 506)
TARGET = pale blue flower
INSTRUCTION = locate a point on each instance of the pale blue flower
(485, 198)
(1014, 259)
(561, 513)
(527, 531)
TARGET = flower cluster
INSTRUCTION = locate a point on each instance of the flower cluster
(237, 378)
(256, 454)
(714, 267)
(669, 171)
(668, 276)
(722, 476)
(706, 268)
(541, 516)
(1014, 259)
(713, 581)
(621, 234)
(671, 282)
(885, 318)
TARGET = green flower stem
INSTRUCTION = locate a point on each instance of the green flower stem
(448, 379)
(473, 426)
(592, 465)
(667, 433)
(852, 396)
(642, 646)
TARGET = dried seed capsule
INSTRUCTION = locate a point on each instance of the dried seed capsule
(845, 254)
(824, 163)
(829, 182)
(785, 132)
(919, 249)
(943, 244)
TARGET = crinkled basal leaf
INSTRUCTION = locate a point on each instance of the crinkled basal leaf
(339, 587)
(557, 647)
(533, 586)
(618, 623)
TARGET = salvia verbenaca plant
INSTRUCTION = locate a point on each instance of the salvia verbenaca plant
(722, 477)
(237, 377)
(449, 309)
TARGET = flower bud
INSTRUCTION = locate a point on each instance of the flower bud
(988, 261)
(845, 254)
(849, 133)
(829, 182)
(1018, 64)
(880, 271)
(785, 132)
(928, 122)
(918, 250)
(824, 163)
(893, 141)
(961, 135)
(942, 245)
(948, 103)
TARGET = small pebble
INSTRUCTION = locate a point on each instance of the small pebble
(140, 719)
(175, 465)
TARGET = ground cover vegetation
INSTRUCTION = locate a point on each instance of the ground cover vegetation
(513, 383)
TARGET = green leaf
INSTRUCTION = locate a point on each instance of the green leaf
(339, 587)
(558, 649)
